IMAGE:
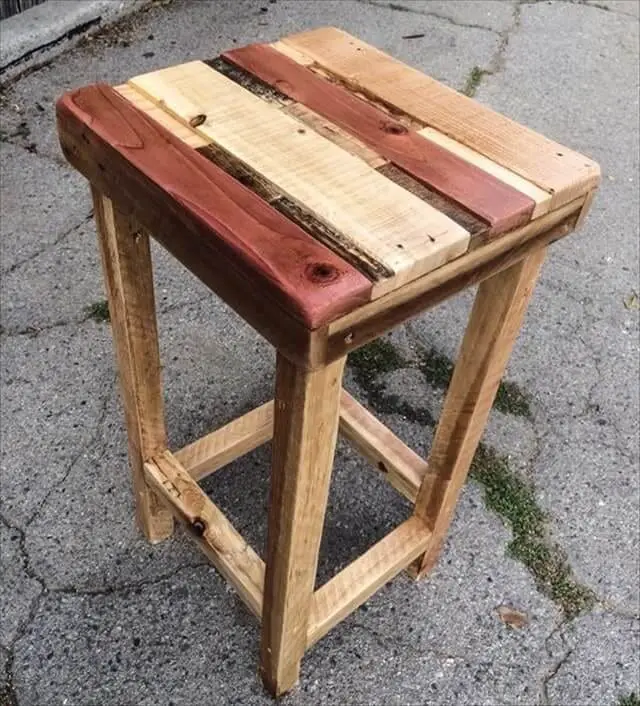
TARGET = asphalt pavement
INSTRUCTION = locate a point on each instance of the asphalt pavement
(92, 615)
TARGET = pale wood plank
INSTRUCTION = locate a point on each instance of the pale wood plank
(541, 197)
(235, 439)
(361, 579)
(402, 467)
(126, 265)
(292, 53)
(215, 535)
(336, 134)
(549, 165)
(305, 431)
(141, 102)
(493, 327)
(586, 208)
(393, 226)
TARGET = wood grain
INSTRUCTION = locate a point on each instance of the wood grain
(126, 265)
(222, 446)
(561, 171)
(401, 466)
(221, 230)
(503, 207)
(395, 227)
(494, 324)
(305, 431)
(215, 535)
(362, 578)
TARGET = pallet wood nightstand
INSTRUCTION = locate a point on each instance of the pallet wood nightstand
(328, 193)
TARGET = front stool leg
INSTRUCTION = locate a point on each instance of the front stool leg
(305, 429)
(126, 264)
(493, 327)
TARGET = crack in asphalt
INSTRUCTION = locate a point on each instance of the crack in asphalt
(558, 663)
(49, 246)
(583, 3)
(427, 13)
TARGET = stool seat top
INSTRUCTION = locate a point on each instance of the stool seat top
(321, 171)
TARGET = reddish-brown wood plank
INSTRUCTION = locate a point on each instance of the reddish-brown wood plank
(239, 235)
(503, 207)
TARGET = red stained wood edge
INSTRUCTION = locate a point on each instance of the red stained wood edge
(235, 231)
(495, 202)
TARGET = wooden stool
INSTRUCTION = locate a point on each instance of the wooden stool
(328, 193)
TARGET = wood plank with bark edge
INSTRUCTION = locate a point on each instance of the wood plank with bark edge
(222, 446)
(305, 431)
(373, 319)
(494, 324)
(547, 164)
(503, 207)
(351, 587)
(402, 232)
(401, 466)
(215, 535)
(221, 231)
(126, 265)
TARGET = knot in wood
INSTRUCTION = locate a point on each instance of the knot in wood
(394, 128)
(321, 272)
(198, 120)
(198, 526)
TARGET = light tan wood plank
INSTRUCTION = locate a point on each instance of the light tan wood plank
(549, 165)
(292, 53)
(541, 197)
(494, 324)
(126, 264)
(215, 535)
(362, 578)
(305, 431)
(141, 102)
(586, 208)
(231, 441)
(393, 226)
(336, 134)
(401, 466)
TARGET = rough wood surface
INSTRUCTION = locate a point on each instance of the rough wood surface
(218, 228)
(361, 579)
(500, 205)
(401, 466)
(494, 324)
(231, 441)
(215, 535)
(305, 431)
(126, 264)
(397, 228)
(561, 171)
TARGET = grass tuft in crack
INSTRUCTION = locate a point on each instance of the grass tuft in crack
(370, 361)
(437, 369)
(98, 311)
(513, 499)
(473, 81)
(631, 699)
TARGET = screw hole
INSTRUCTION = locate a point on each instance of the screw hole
(560, 154)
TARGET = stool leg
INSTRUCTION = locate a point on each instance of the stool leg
(126, 262)
(305, 430)
(493, 327)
